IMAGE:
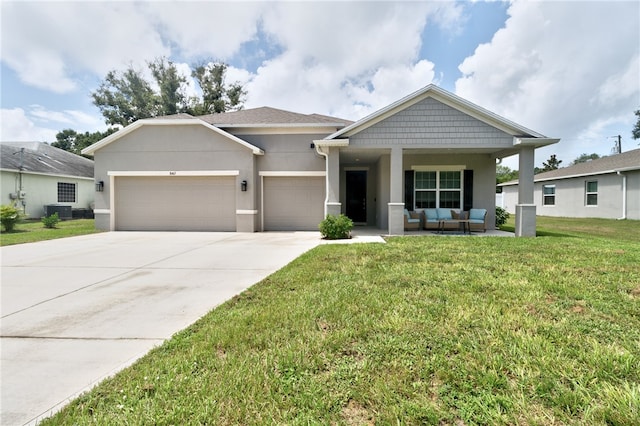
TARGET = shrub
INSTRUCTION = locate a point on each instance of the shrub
(501, 216)
(51, 221)
(9, 216)
(336, 227)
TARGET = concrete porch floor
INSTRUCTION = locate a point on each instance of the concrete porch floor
(362, 232)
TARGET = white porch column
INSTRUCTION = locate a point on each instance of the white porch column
(332, 204)
(526, 209)
(396, 205)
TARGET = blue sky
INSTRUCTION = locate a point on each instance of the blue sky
(566, 69)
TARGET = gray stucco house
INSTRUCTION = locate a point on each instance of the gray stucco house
(266, 169)
(608, 187)
(36, 174)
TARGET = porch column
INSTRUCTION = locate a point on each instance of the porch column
(526, 209)
(396, 204)
(332, 204)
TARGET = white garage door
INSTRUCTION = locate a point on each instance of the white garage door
(293, 203)
(177, 203)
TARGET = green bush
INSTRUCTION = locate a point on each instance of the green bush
(51, 221)
(501, 216)
(336, 227)
(9, 216)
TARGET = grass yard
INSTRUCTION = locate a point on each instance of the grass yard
(422, 330)
(624, 230)
(33, 231)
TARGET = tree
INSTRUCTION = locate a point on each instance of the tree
(72, 141)
(172, 97)
(551, 164)
(216, 97)
(124, 97)
(505, 174)
(635, 133)
(583, 158)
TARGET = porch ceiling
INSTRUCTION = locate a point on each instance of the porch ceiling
(371, 155)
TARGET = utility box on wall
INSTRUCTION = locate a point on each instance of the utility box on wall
(64, 212)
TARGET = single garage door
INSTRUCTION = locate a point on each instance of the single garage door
(293, 203)
(176, 203)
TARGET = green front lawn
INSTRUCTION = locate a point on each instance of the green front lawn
(625, 230)
(422, 330)
(33, 231)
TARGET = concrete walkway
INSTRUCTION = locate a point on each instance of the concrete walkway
(77, 310)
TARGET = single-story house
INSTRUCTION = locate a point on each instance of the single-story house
(35, 174)
(265, 169)
(607, 187)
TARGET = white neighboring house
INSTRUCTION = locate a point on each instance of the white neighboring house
(35, 174)
(608, 187)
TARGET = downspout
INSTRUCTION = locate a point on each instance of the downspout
(326, 176)
(624, 195)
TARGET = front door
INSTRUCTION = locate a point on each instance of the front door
(357, 195)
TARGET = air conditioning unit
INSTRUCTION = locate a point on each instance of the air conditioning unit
(64, 212)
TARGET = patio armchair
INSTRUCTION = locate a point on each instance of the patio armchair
(478, 220)
(412, 221)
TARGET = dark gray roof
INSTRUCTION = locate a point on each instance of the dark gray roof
(39, 157)
(270, 116)
(629, 160)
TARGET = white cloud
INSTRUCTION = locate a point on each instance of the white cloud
(214, 30)
(17, 127)
(38, 123)
(330, 57)
(345, 59)
(51, 42)
(561, 68)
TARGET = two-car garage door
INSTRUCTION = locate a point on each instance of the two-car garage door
(175, 203)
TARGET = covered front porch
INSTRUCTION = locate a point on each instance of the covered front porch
(374, 187)
(429, 150)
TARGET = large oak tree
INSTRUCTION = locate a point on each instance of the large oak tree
(126, 96)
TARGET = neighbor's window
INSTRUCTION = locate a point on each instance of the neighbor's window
(438, 189)
(66, 192)
(591, 192)
(548, 195)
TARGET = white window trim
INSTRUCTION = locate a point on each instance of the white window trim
(549, 195)
(437, 189)
(587, 193)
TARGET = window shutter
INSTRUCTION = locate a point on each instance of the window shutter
(468, 190)
(408, 190)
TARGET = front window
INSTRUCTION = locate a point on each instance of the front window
(66, 192)
(438, 189)
(591, 193)
(548, 195)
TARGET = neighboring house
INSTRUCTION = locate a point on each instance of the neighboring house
(35, 174)
(266, 169)
(608, 187)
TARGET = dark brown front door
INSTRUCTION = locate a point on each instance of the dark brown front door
(357, 195)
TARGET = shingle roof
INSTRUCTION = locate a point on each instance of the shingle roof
(629, 160)
(39, 157)
(270, 116)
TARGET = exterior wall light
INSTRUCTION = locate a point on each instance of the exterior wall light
(99, 186)
(243, 186)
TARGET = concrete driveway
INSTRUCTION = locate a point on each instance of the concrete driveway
(77, 310)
